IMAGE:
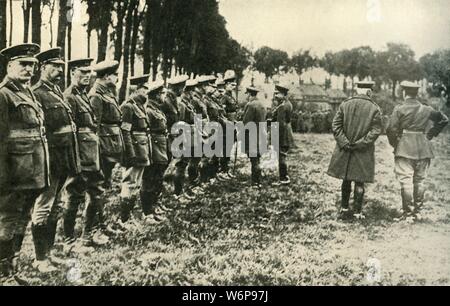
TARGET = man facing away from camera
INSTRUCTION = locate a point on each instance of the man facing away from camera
(356, 127)
(407, 133)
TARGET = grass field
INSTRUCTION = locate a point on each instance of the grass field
(235, 235)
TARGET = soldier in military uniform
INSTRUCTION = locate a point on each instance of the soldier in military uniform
(152, 180)
(91, 178)
(24, 159)
(230, 106)
(63, 149)
(135, 130)
(254, 112)
(107, 110)
(282, 114)
(356, 127)
(172, 109)
(216, 115)
(190, 162)
(407, 133)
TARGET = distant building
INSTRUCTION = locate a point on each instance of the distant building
(336, 97)
(310, 97)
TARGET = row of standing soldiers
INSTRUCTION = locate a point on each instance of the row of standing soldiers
(53, 141)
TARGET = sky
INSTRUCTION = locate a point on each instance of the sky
(322, 25)
(319, 25)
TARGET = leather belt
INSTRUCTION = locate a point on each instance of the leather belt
(65, 130)
(82, 130)
(24, 133)
(139, 133)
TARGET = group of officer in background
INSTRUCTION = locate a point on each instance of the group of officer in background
(57, 147)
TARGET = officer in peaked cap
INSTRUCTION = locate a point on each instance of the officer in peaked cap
(90, 178)
(152, 179)
(255, 112)
(356, 127)
(409, 133)
(136, 135)
(63, 151)
(171, 107)
(229, 103)
(104, 100)
(283, 114)
(22, 175)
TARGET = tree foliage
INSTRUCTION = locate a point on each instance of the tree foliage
(270, 61)
(436, 68)
(303, 60)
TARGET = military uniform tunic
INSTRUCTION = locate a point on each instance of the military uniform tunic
(90, 179)
(152, 180)
(63, 148)
(24, 159)
(408, 133)
(109, 116)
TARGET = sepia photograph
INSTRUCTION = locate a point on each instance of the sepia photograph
(212, 144)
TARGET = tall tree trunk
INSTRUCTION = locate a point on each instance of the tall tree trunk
(102, 39)
(62, 26)
(52, 13)
(147, 46)
(2, 36)
(11, 20)
(69, 48)
(134, 37)
(126, 50)
(36, 21)
(26, 7)
(118, 44)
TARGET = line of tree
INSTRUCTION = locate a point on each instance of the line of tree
(171, 36)
(390, 66)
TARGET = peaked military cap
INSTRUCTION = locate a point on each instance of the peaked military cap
(230, 76)
(139, 80)
(206, 79)
(191, 83)
(408, 84)
(51, 56)
(23, 52)
(219, 82)
(365, 84)
(282, 88)
(81, 63)
(106, 67)
(252, 89)
(179, 79)
(155, 86)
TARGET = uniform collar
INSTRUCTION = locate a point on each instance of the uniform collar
(102, 89)
(13, 84)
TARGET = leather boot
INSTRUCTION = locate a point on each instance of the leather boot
(39, 233)
(358, 197)
(419, 192)
(407, 202)
(6, 256)
(17, 243)
(69, 218)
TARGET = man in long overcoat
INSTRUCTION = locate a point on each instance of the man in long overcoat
(356, 127)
